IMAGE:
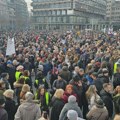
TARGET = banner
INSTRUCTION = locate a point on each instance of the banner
(10, 46)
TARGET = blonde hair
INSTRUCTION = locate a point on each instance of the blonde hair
(117, 117)
(90, 91)
(59, 93)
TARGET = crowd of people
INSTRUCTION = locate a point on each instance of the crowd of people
(54, 76)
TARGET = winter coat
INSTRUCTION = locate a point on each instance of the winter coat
(11, 72)
(92, 100)
(97, 113)
(107, 99)
(116, 81)
(116, 99)
(66, 75)
(57, 84)
(10, 108)
(70, 106)
(3, 114)
(57, 105)
(66, 96)
(103, 79)
(28, 111)
(98, 85)
(89, 79)
(78, 91)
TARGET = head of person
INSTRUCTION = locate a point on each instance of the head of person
(59, 93)
(29, 97)
(26, 73)
(20, 68)
(5, 76)
(94, 76)
(76, 79)
(69, 89)
(117, 117)
(59, 76)
(21, 80)
(77, 69)
(81, 71)
(25, 88)
(72, 99)
(9, 93)
(117, 90)
(72, 115)
(108, 87)
(9, 63)
(15, 62)
(41, 90)
(91, 90)
(2, 85)
(105, 72)
(26, 60)
(99, 103)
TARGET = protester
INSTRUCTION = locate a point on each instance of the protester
(68, 91)
(28, 110)
(92, 96)
(98, 111)
(10, 106)
(25, 89)
(73, 115)
(57, 59)
(71, 105)
(106, 95)
(44, 98)
(57, 104)
(3, 112)
(4, 78)
(59, 83)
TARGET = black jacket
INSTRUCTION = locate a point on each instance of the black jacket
(108, 101)
(98, 85)
(10, 108)
(3, 114)
(116, 81)
(57, 105)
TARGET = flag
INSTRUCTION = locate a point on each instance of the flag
(10, 46)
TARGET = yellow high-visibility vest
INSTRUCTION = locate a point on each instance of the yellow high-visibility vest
(17, 75)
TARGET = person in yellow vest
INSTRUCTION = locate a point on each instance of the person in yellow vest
(44, 98)
(26, 76)
(40, 80)
(19, 72)
(116, 66)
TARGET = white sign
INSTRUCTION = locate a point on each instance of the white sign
(10, 46)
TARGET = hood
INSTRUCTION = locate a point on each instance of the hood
(72, 99)
(28, 105)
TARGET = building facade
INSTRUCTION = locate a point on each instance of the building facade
(68, 14)
(115, 16)
(4, 15)
(21, 14)
(13, 15)
(11, 12)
